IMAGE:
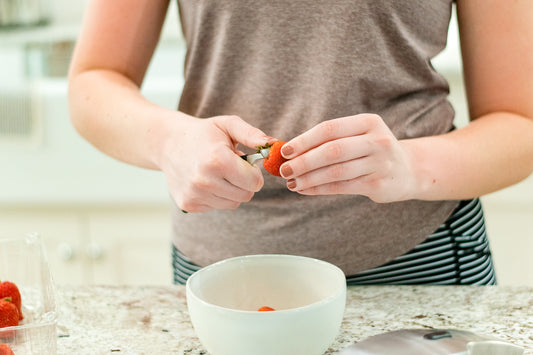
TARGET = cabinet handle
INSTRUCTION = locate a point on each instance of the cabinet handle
(65, 251)
(94, 251)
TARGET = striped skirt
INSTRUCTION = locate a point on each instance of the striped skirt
(457, 253)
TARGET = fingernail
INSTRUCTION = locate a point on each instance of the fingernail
(286, 170)
(287, 150)
(291, 184)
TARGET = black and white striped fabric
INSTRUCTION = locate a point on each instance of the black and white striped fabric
(183, 267)
(457, 253)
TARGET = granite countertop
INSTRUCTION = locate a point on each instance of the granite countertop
(154, 320)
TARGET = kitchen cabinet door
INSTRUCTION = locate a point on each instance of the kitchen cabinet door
(62, 236)
(130, 246)
(510, 233)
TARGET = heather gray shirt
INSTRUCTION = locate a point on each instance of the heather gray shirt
(285, 66)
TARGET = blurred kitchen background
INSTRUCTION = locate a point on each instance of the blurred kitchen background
(104, 222)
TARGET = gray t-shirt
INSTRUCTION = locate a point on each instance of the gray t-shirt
(285, 66)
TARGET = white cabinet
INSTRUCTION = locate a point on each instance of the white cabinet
(130, 246)
(509, 214)
(99, 245)
(61, 235)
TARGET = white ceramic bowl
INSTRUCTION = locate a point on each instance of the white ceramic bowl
(308, 296)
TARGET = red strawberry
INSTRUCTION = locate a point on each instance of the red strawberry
(265, 309)
(274, 159)
(9, 289)
(9, 316)
(6, 350)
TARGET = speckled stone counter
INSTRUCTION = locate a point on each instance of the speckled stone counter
(154, 320)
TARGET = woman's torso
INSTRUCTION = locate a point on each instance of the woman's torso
(285, 66)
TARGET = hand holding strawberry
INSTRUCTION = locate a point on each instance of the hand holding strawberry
(355, 155)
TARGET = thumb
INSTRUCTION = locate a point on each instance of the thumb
(242, 132)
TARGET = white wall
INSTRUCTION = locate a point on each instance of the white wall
(67, 11)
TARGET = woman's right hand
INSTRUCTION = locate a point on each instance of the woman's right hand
(202, 164)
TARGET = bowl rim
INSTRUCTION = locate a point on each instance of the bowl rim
(339, 291)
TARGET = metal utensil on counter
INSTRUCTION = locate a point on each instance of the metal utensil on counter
(432, 342)
(253, 158)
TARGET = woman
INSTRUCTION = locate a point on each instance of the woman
(377, 180)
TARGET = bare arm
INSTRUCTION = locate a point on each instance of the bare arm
(108, 66)
(197, 155)
(494, 151)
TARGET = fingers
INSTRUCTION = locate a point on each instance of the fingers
(236, 171)
(242, 132)
(351, 155)
(209, 173)
(329, 131)
(202, 196)
(330, 174)
(208, 203)
(327, 154)
(362, 185)
(224, 181)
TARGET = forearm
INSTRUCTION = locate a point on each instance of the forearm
(109, 111)
(491, 153)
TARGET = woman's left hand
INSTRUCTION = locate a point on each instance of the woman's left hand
(350, 155)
